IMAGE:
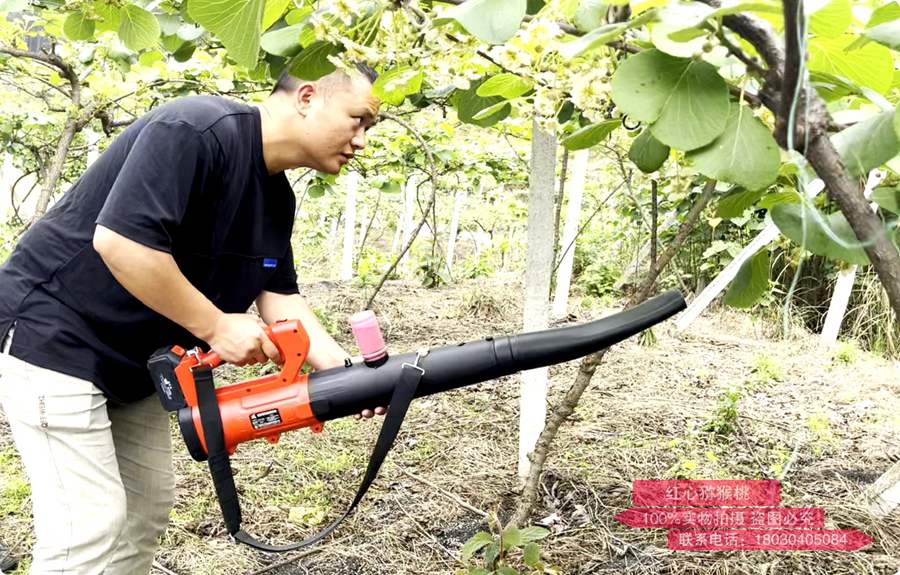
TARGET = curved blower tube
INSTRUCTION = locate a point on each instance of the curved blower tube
(344, 391)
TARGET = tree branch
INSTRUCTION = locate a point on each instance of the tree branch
(434, 185)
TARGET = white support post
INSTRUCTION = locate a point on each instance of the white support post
(843, 287)
(409, 208)
(570, 232)
(454, 223)
(715, 287)
(93, 143)
(351, 183)
(538, 269)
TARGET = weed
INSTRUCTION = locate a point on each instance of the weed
(724, 420)
(14, 488)
(509, 552)
(765, 371)
(845, 353)
(822, 436)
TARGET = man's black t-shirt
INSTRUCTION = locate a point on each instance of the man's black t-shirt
(187, 178)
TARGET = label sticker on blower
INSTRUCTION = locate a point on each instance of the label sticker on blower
(265, 419)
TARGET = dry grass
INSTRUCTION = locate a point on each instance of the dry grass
(833, 426)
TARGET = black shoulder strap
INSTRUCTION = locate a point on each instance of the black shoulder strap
(220, 465)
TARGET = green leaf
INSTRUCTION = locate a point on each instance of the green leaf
(316, 191)
(751, 282)
(790, 219)
(490, 111)
(78, 27)
(590, 135)
(312, 62)
(745, 153)
(734, 204)
(468, 103)
(686, 100)
(474, 544)
(534, 533)
(150, 57)
(868, 144)
(897, 120)
(505, 85)
(532, 556)
(282, 42)
(491, 554)
(887, 199)
(184, 52)
(397, 83)
(235, 22)
(831, 20)
(507, 570)
(885, 13)
(491, 21)
(535, 6)
(297, 15)
(647, 153)
(602, 35)
(887, 34)
(593, 39)
(511, 537)
(784, 197)
(590, 14)
(391, 187)
(109, 16)
(871, 66)
(272, 12)
(138, 28)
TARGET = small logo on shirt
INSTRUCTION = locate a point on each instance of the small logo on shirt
(270, 263)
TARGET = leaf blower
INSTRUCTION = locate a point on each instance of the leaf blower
(213, 422)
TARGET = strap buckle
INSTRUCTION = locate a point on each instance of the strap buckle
(420, 353)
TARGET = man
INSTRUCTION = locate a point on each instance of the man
(180, 225)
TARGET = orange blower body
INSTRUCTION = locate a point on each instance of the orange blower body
(261, 408)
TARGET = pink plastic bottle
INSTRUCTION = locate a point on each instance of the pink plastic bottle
(368, 338)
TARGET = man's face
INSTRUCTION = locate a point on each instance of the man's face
(336, 123)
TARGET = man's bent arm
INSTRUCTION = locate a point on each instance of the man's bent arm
(153, 277)
(324, 351)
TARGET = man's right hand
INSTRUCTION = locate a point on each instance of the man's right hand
(240, 339)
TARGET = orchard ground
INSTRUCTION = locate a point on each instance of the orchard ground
(829, 420)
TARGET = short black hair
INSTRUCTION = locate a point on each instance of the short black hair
(287, 82)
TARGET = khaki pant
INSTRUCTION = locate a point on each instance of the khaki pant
(101, 475)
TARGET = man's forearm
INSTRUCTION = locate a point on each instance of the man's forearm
(153, 277)
(324, 351)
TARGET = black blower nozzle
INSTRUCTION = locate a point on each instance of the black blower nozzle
(343, 391)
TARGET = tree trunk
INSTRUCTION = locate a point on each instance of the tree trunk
(351, 184)
(570, 233)
(539, 263)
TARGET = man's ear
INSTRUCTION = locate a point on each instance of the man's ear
(304, 95)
